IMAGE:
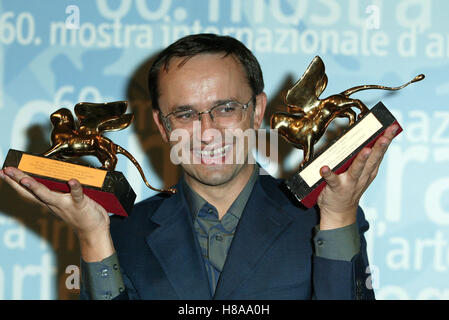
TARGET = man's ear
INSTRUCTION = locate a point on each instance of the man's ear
(259, 110)
(160, 126)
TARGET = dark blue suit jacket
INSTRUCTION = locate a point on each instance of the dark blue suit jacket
(271, 255)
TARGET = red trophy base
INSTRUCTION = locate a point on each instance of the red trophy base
(307, 183)
(110, 189)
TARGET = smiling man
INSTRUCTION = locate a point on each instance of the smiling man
(228, 233)
(213, 84)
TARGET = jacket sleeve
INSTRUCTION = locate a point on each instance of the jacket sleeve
(344, 280)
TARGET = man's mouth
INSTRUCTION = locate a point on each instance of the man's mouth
(212, 155)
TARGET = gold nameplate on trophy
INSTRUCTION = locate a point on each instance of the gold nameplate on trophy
(61, 170)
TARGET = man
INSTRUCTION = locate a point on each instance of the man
(227, 233)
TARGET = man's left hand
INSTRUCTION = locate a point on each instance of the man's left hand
(340, 198)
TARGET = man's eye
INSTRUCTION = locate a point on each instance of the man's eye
(184, 115)
(227, 108)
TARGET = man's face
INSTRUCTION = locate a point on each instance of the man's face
(202, 82)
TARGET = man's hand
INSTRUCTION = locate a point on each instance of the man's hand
(339, 200)
(87, 218)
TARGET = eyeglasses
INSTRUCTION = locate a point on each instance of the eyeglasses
(225, 115)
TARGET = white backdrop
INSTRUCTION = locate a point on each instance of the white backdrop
(57, 53)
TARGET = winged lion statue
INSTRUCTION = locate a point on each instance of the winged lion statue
(69, 140)
(308, 116)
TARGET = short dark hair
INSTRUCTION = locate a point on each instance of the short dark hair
(193, 45)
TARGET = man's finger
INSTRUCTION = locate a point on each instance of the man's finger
(390, 132)
(375, 158)
(330, 177)
(358, 165)
(372, 161)
(377, 154)
(38, 189)
(76, 190)
(14, 173)
(23, 192)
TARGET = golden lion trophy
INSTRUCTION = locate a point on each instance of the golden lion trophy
(106, 186)
(308, 118)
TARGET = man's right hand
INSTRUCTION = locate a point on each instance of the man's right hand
(88, 219)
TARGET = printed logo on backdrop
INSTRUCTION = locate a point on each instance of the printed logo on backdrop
(162, 22)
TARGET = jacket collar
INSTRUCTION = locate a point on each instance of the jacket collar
(175, 245)
(261, 224)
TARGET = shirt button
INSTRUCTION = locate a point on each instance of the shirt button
(115, 266)
(104, 273)
(218, 237)
(210, 211)
(320, 242)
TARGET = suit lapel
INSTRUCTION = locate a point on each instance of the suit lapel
(260, 225)
(174, 244)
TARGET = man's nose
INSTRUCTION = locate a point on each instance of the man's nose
(208, 128)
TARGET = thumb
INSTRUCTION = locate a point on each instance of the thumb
(76, 190)
(330, 177)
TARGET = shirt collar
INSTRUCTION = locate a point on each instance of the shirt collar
(196, 202)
